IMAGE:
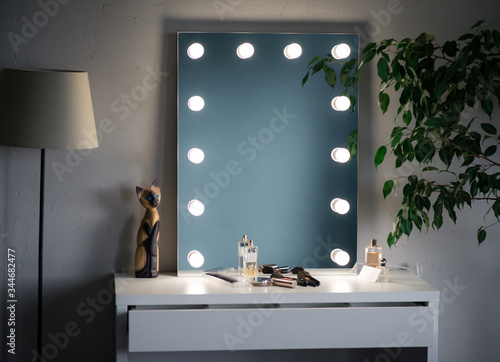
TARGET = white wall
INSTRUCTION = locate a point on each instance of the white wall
(91, 209)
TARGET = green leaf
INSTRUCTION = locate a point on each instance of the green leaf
(435, 122)
(304, 80)
(450, 48)
(424, 38)
(396, 71)
(391, 240)
(313, 60)
(489, 128)
(490, 151)
(481, 235)
(474, 188)
(407, 117)
(477, 24)
(430, 168)
(384, 101)
(369, 47)
(388, 186)
(330, 76)
(379, 155)
(383, 69)
(487, 105)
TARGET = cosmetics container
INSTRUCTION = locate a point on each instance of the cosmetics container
(373, 254)
(242, 244)
(250, 261)
(384, 271)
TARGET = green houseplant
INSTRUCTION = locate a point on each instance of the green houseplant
(437, 88)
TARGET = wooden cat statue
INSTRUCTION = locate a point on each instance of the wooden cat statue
(146, 254)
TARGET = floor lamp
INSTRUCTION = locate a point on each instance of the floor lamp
(46, 109)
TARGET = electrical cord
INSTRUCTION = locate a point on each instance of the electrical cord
(419, 270)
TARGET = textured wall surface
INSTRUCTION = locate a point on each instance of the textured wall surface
(129, 49)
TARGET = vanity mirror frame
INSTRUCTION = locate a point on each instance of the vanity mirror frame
(267, 142)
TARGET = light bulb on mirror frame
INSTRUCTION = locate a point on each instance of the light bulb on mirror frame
(341, 103)
(292, 51)
(195, 155)
(340, 257)
(340, 206)
(340, 154)
(341, 51)
(245, 50)
(195, 51)
(196, 207)
(195, 259)
(196, 103)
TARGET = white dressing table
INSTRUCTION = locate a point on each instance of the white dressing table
(193, 313)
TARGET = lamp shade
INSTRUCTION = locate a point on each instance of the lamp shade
(48, 109)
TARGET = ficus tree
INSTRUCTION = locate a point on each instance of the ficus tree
(438, 88)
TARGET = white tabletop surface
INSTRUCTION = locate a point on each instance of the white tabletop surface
(168, 289)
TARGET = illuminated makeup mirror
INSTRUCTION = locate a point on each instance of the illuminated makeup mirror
(273, 151)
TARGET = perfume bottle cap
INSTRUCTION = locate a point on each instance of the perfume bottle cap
(383, 262)
(373, 242)
(244, 238)
(250, 242)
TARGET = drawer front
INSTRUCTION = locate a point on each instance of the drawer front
(280, 328)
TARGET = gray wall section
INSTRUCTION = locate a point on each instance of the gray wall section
(91, 208)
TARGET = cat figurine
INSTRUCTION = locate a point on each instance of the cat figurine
(146, 254)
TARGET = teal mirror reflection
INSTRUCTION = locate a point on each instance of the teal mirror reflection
(266, 147)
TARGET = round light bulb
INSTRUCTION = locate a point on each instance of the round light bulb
(293, 51)
(196, 207)
(340, 206)
(195, 258)
(196, 103)
(340, 257)
(341, 103)
(341, 155)
(245, 50)
(195, 51)
(195, 155)
(341, 51)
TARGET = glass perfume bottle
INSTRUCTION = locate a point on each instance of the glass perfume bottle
(373, 254)
(250, 261)
(384, 272)
(242, 244)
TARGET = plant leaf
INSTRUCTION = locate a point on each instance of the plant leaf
(379, 156)
(384, 100)
(490, 151)
(388, 186)
(489, 128)
(487, 105)
(481, 235)
(383, 69)
(330, 76)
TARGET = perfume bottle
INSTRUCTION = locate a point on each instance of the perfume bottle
(373, 254)
(384, 272)
(242, 244)
(250, 261)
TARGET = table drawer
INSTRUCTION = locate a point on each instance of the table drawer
(209, 328)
